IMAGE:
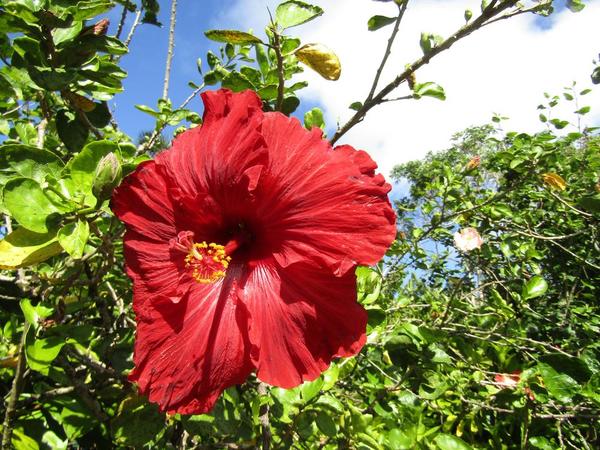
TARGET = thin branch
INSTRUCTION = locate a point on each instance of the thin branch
(170, 49)
(557, 197)
(574, 255)
(280, 74)
(404, 97)
(136, 22)
(17, 385)
(84, 393)
(464, 31)
(121, 22)
(264, 418)
(148, 144)
(388, 49)
(84, 118)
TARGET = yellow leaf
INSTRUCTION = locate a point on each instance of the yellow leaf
(320, 59)
(554, 181)
(25, 248)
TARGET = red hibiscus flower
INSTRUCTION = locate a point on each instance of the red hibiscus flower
(242, 240)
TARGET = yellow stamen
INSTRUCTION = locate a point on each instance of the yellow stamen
(208, 262)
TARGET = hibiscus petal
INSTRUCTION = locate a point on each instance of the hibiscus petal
(212, 158)
(301, 318)
(147, 188)
(322, 204)
(186, 354)
(157, 266)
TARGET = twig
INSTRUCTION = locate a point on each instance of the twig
(557, 197)
(464, 31)
(280, 74)
(15, 390)
(170, 49)
(150, 142)
(397, 99)
(574, 255)
(388, 49)
(84, 393)
(84, 118)
(121, 22)
(264, 418)
(136, 22)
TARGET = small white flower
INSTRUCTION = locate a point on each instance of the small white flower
(467, 239)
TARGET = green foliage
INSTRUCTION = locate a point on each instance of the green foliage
(493, 348)
(526, 303)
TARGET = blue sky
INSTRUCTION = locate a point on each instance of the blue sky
(145, 64)
(504, 69)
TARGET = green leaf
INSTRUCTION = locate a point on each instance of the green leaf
(429, 41)
(559, 124)
(576, 368)
(591, 203)
(559, 385)
(33, 314)
(148, 110)
(535, 287)
(450, 442)
(326, 424)
(137, 421)
(429, 89)
(23, 248)
(541, 442)
(28, 162)
(232, 37)
(71, 130)
(293, 12)
(356, 106)
(575, 5)
(90, 8)
(399, 439)
(237, 82)
(73, 237)
(27, 202)
(60, 35)
(310, 389)
(52, 79)
(583, 110)
(314, 118)
(42, 352)
(261, 58)
(100, 115)
(21, 441)
(368, 285)
(289, 105)
(377, 22)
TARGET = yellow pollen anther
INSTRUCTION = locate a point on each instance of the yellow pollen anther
(207, 262)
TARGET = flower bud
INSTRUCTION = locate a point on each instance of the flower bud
(101, 27)
(107, 177)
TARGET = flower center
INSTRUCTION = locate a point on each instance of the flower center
(207, 262)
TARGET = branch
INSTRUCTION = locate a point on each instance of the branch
(136, 22)
(147, 145)
(280, 74)
(170, 49)
(17, 384)
(464, 31)
(121, 22)
(557, 197)
(264, 418)
(388, 49)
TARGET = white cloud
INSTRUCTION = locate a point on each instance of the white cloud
(504, 68)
